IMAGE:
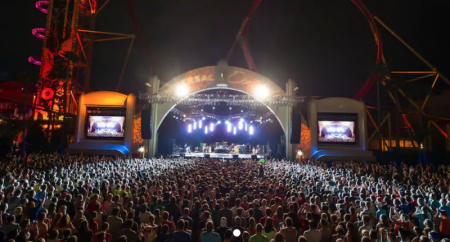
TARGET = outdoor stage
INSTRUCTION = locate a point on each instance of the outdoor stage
(218, 155)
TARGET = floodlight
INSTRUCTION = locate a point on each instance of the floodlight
(261, 92)
(182, 90)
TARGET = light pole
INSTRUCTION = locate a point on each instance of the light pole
(142, 151)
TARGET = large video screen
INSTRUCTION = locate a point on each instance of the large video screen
(106, 127)
(337, 128)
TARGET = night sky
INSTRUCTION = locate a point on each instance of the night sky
(326, 46)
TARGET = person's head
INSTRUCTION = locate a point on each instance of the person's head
(404, 234)
(223, 222)
(269, 225)
(64, 221)
(228, 235)
(245, 236)
(53, 234)
(72, 239)
(115, 212)
(180, 224)
(104, 227)
(237, 221)
(365, 239)
(289, 222)
(165, 230)
(340, 230)
(127, 224)
(122, 238)
(366, 219)
(165, 216)
(278, 237)
(324, 223)
(186, 224)
(312, 224)
(209, 226)
(67, 233)
(25, 224)
(303, 239)
(259, 228)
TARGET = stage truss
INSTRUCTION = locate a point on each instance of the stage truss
(229, 99)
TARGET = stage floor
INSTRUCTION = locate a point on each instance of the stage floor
(220, 155)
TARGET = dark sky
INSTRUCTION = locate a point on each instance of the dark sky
(324, 45)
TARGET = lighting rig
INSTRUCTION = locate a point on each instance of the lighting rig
(230, 99)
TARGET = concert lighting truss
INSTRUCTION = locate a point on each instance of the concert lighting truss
(198, 115)
(229, 99)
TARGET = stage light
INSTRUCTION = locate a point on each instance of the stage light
(202, 109)
(211, 127)
(206, 129)
(261, 92)
(189, 128)
(245, 126)
(227, 122)
(203, 118)
(242, 111)
(218, 122)
(228, 127)
(234, 130)
(214, 107)
(231, 108)
(200, 124)
(250, 130)
(181, 90)
(240, 125)
(184, 115)
(195, 125)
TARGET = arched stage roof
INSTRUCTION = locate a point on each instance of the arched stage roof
(216, 76)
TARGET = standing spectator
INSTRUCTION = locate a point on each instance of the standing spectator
(115, 224)
(312, 234)
(180, 235)
(259, 237)
(288, 231)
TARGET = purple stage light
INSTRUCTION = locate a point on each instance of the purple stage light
(250, 130)
(200, 124)
(228, 127)
(240, 125)
(206, 129)
(211, 127)
(234, 130)
(246, 127)
(189, 128)
(195, 125)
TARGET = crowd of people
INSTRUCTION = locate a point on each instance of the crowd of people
(53, 198)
